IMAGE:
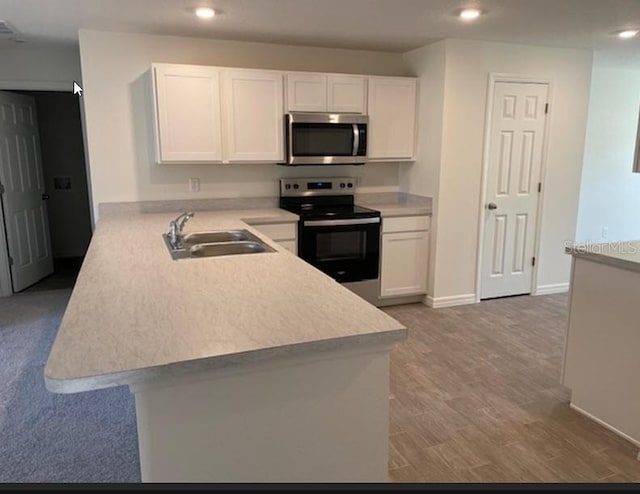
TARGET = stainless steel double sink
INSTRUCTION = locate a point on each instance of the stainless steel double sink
(215, 244)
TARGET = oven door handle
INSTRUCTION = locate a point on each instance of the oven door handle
(356, 139)
(360, 221)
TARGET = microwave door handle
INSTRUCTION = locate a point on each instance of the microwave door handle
(356, 139)
(289, 136)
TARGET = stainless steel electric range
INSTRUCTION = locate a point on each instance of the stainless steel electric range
(335, 235)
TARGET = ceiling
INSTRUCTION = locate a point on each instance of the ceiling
(390, 25)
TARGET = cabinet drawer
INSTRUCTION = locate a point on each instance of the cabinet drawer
(278, 231)
(406, 224)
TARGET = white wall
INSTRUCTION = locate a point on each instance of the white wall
(117, 89)
(428, 63)
(468, 65)
(39, 67)
(610, 193)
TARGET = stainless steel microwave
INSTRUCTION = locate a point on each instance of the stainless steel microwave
(326, 139)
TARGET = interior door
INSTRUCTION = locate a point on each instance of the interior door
(23, 200)
(518, 122)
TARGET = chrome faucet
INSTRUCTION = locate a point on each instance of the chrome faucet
(175, 229)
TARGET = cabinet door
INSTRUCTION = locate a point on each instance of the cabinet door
(283, 233)
(347, 94)
(290, 245)
(405, 258)
(253, 109)
(392, 117)
(306, 92)
(187, 112)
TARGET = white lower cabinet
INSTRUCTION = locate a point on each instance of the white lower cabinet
(285, 234)
(405, 256)
(290, 245)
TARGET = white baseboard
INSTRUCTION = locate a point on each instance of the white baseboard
(550, 289)
(440, 302)
(604, 424)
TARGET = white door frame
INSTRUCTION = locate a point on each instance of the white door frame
(6, 288)
(493, 79)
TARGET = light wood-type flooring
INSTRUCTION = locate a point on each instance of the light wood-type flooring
(476, 397)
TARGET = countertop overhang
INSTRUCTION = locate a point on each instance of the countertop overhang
(135, 314)
(619, 254)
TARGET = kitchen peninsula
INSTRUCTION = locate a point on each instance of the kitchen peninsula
(601, 364)
(254, 368)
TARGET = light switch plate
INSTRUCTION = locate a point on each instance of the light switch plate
(194, 185)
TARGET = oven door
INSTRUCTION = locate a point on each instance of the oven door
(346, 249)
(319, 139)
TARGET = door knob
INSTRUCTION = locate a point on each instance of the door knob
(45, 197)
(491, 206)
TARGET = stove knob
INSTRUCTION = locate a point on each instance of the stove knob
(296, 186)
(342, 185)
(350, 185)
(288, 186)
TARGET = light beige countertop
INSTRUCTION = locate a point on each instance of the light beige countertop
(395, 210)
(135, 314)
(623, 255)
(388, 203)
(396, 204)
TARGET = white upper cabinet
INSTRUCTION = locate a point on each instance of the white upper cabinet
(326, 93)
(187, 111)
(253, 115)
(347, 94)
(232, 115)
(307, 92)
(392, 118)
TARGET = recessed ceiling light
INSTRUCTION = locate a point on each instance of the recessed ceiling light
(629, 33)
(470, 14)
(205, 12)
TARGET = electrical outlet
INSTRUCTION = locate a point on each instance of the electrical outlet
(605, 231)
(194, 185)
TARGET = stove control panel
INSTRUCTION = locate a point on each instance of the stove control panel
(292, 187)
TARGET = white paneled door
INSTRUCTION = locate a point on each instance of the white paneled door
(516, 137)
(25, 210)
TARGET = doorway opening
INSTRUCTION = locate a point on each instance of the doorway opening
(45, 217)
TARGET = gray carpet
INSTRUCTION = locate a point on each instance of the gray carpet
(46, 437)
